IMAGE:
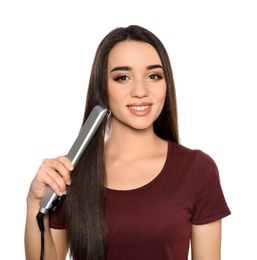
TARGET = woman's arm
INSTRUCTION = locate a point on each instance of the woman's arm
(53, 173)
(206, 241)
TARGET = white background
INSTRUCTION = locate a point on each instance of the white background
(46, 51)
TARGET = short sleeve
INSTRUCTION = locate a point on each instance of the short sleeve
(209, 201)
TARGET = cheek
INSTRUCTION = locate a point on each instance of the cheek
(117, 94)
(162, 98)
(111, 93)
(113, 97)
(160, 93)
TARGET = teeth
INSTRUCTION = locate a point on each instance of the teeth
(139, 108)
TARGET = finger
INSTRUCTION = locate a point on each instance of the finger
(65, 161)
(52, 178)
(61, 165)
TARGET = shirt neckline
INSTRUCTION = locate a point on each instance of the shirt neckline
(150, 183)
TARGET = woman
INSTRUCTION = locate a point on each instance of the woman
(136, 193)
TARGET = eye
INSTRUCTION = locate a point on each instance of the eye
(155, 77)
(122, 78)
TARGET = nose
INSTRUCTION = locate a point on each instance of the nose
(139, 89)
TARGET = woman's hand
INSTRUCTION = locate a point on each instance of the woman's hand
(54, 173)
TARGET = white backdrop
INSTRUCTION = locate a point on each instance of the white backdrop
(46, 51)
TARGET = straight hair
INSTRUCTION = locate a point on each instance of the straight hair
(86, 197)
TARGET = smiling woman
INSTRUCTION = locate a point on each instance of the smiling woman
(136, 84)
(137, 193)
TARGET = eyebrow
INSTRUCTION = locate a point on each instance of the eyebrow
(154, 67)
(150, 67)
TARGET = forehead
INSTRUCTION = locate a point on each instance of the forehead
(133, 53)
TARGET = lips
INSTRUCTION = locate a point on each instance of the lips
(141, 109)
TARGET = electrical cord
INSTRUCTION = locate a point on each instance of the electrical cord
(40, 222)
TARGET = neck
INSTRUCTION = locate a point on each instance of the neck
(124, 140)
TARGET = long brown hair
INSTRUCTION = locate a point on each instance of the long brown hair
(85, 200)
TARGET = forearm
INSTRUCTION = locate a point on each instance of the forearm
(33, 234)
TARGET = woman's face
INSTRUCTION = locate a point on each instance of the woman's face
(136, 84)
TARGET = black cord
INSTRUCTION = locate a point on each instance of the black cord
(40, 222)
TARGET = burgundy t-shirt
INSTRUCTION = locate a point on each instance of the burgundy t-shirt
(154, 221)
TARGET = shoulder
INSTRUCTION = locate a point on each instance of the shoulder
(184, 152)
(194, 160)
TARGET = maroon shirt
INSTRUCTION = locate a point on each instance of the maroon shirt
(155, 221)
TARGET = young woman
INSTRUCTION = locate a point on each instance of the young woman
(136, 193)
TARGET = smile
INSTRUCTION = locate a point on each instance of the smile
(139, 108)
